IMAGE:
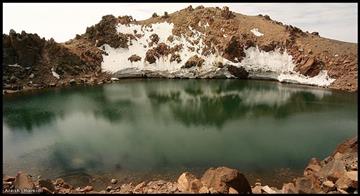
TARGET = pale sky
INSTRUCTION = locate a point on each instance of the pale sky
(63, 20)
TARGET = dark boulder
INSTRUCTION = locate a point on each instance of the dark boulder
(238, 72)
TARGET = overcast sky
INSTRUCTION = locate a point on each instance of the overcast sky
(63, 20)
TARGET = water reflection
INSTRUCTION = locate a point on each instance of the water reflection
(157, 124)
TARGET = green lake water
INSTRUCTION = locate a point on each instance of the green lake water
(157, 129)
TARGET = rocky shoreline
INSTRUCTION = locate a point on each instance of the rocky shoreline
(337, 173)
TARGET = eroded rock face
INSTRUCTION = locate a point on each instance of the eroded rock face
(194, 61)
(226, 13)
(105, 33)
(309, 67)
(234, 50)
(63, 61)
(238, 72)
(222, 178)
(125, 19)
(24, 49)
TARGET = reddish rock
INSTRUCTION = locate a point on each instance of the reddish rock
(162, 49)
(154, 39)
(151, 56)
(222, 178)
(289, 188)
(125, 19)
(105, 33)
(175, 57)
(234, 49)
(134, 58)
(47, 184)
(23, 181)
(8, 178)
(194, 61)
(226, 13)
(189, 183)
(269, 46)
(304, 185)
(348, 146)
(310, 68)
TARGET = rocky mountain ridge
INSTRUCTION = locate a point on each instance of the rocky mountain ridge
(190, 43)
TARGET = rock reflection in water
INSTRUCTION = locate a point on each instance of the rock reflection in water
(142, 125)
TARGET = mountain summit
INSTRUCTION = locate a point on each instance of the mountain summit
(190, 43)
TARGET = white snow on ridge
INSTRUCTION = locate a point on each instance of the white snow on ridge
(256, 32)
(259, 64)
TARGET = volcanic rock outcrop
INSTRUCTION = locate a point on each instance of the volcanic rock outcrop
(166, 46)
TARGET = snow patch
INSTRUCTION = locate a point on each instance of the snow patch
(280, 67)
(322, 79)
(256, 32)
(274, 65)
(261, 61)
(15, 65)
(54, 73)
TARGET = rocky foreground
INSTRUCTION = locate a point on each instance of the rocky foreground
(190, 43)
(338, 173)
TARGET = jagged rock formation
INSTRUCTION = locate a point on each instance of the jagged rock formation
(163, 46)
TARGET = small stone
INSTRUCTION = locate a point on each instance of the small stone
(204, 189)
(113, 181)
(256, 190)
(139, 186)
(8, 178)
(59, 181)
(46, 190)
(31, 76)
(47, 184)
(267, 189)
(108, 188)
(232, 191)
(257, 184)
(87, 189)
(288, 188)
(66, 186)
(72, 82)
(328, 186)
(342, 191)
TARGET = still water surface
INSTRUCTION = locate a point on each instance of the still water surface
(159, 128)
